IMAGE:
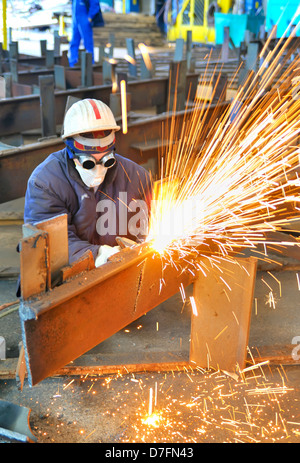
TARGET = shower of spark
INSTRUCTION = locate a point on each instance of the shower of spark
(229, 184)
(123, 106)
(146, 57)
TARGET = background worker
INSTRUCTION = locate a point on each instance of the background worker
(83, 12)
(99, 190)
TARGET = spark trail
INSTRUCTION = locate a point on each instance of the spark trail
(227, 185)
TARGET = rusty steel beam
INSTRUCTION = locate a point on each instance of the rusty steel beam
(17, 164)
(75, 317)
(31, 77)
(60, 324)
(66, 310)
(30, 62)
(141, 143)
(223, 343)
(23, 113)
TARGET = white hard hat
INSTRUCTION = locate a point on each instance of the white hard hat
(86, 116)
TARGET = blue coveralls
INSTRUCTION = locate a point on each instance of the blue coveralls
(55, 188)
(82, 29)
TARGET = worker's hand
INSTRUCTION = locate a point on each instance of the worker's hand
(104, 253)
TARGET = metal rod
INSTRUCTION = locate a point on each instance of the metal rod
(4, 25)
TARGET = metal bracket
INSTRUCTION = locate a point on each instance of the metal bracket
(14, 422)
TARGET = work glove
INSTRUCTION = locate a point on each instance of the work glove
(104, 253)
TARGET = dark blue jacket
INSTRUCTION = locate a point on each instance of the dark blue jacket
(84, 8)
(55, 187)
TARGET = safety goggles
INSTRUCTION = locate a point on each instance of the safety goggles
(96, 134)
(89, 162)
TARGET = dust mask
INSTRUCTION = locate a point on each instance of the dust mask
(91, 177)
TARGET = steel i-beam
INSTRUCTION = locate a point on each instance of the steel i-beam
(67, 310)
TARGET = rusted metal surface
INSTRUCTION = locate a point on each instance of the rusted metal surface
(77, 316)
(220, 329)
(60, 324)
(17, 164)
(123, 369)
(163, 361)
(21, 369)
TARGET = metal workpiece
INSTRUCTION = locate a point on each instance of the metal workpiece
(61, 321)
(223, 314)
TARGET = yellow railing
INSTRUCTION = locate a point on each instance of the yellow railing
(193, 16)
(4, 26)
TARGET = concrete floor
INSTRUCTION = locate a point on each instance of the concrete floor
(189, 406)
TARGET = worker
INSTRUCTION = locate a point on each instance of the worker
(104, 194)
(83, 13)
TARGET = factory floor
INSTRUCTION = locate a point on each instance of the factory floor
(190, 406)
(194, 405)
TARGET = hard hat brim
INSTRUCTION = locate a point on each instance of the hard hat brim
(116, 128)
